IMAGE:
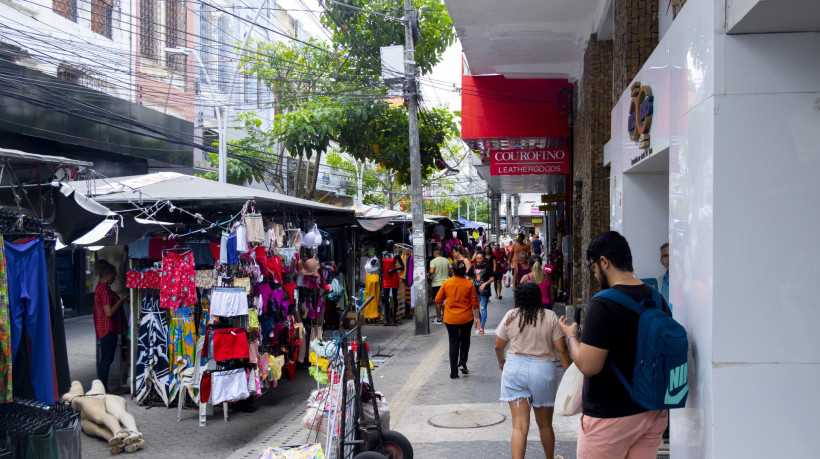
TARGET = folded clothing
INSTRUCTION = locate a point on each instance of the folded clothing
(230, 343)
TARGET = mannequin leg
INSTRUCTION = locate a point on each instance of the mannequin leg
(95, 408)
(386, 303)
(115, 406)
(395, 305)
(95, 430)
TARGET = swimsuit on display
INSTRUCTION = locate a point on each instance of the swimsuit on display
(389, 280)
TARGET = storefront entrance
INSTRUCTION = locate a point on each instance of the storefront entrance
(645, 201)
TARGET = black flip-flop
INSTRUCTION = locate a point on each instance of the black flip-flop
(500, 297)
(464, 369)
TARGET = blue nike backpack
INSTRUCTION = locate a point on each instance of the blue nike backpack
(659, 378)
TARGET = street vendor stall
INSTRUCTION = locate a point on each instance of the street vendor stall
(225, 300)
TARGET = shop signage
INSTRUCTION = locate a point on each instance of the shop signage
(558, 197)
(547, 208)
(529, 161)
(528, 225)
(535, 210)
(536, 220)
(641, 109)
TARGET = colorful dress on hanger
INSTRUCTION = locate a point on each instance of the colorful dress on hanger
(152, 367)
(5, 334)
(181, 346)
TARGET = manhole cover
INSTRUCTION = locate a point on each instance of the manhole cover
(467, 419)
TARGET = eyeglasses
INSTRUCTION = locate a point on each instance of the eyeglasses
(591, 264)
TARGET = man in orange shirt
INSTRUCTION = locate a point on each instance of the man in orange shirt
(460, 313)
(518, 247)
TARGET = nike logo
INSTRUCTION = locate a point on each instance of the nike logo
(670, 399)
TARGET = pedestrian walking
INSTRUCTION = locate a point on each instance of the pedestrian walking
(542, 280)
(481, 274)
(500, 267)
(612, 425)
(531, 337)
(439, 272)
(460, 313)
(521, 268)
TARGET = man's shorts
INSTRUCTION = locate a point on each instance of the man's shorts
(230, 343)
(529, 378)
(229, 302)
(637, 436)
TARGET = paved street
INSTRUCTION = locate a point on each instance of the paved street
(413, 377)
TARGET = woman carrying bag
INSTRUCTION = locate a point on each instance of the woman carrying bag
(532, 337)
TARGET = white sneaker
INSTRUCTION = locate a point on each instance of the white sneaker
(438, 321)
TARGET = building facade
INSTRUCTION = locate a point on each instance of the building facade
(693, 123)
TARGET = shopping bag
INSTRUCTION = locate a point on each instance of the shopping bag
(568, 397)
(507, 279)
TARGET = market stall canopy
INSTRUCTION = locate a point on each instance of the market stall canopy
(467, 224)
(198, 194)
(375, 218)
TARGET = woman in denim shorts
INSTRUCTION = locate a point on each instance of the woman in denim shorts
(531, 337)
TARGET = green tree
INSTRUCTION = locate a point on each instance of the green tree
(365, 26)
(251, 158)
(329, 92)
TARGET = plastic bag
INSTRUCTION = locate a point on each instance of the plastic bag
(507, 278)
(568, 397)
(384, 411)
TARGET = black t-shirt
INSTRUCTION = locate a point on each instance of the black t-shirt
(480, 274)
(609, 325)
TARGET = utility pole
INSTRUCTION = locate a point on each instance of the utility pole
(416, 199)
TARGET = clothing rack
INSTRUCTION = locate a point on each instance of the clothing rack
(50, 427)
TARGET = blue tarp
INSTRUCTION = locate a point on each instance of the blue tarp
(467, 224)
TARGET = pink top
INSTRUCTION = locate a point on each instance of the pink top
(544, 286)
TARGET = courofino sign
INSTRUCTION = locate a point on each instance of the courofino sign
(529, 161)
(641, 109)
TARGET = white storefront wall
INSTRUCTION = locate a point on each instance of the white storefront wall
(737, 129)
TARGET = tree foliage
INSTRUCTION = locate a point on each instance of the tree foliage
(365, 32)
(329, 93)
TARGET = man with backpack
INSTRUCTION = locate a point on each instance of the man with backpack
(628, 324)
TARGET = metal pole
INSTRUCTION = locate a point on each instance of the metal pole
(416, 199)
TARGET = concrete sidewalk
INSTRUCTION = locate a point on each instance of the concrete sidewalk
(415, 379)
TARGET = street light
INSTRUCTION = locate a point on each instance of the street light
(222, 118)
(221, 121)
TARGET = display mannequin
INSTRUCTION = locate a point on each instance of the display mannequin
(391, 265)
(372, 287)
(104, 416)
